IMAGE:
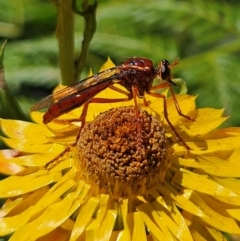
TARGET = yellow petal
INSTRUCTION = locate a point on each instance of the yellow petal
(9, 206)
(235, 213)
(53, 195)
(179, 229)
(8, 154)
(6, 166)
(204, 114)
(211, 146)
(200, 232)
(26, 145)
(124, 211)
(105, 230)
(58, 234)
(122, 236)
(84, 217)
(91, 230)
(65, 135)
(169, 210)
(169, 192)
(216, 234)
(22, 130)
(172, 216)
(51, 218)
(9, 168)
(28, 200)
(68, 224)
(223, 133)
(36, 159)
(183, 232)
(212, 165)
(230, 183)
(215, 219)
(231, 130)
(137, 226)
(18, 185)
(37, 117)
(107, 65)
(9, 225)
(102, 209)
(68, 176)
(234, 158)
(201, 183)
(207, 120)
(149, 216)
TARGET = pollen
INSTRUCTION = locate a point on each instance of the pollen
(123, 154)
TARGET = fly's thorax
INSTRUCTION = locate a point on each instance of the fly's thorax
(138, 72)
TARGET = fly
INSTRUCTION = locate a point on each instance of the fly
(136, 75)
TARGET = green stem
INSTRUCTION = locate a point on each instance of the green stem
(89, 14)
(65, 36)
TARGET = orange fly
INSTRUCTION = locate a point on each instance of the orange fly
(135, 74)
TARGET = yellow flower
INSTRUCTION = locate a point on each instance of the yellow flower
(193, 195)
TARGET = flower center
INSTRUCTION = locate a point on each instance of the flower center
(122, 154)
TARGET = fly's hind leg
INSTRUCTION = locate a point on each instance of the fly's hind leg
(82, 119)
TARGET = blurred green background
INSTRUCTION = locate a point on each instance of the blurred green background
(205, 35)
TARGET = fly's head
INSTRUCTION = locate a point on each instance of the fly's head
(163, 71)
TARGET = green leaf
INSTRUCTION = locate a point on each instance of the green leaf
(9, 107)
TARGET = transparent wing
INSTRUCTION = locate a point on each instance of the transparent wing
(106, 75)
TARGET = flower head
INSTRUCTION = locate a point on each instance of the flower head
(119, 161)
(119, 184)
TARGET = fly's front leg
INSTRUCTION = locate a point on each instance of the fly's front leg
(177, 105)
(159, 95)
(167, 85)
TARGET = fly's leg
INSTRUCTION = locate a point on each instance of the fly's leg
(68, 121)
(82, 119)
(139, 121)
(177, 105)
(159, 95)
(167, 85)
(120, 91)
(137, 114)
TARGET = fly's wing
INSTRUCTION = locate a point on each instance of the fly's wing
(78, 88)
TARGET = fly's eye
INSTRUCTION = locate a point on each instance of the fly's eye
(165, 69)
